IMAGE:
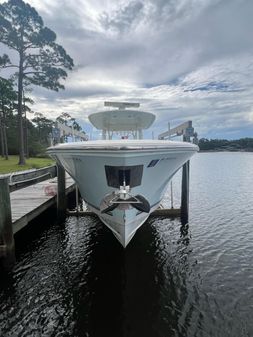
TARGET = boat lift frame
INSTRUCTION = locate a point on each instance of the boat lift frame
(187, 131)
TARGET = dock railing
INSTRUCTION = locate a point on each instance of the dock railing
(19, 180)
(13, 182)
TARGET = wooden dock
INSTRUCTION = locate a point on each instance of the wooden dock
(32, 193)
(29, 202)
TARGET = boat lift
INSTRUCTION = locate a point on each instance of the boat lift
(187, 131)
(61, 130)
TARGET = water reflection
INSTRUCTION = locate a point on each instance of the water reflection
(99, 307)
(127, 287)
(77, 279)
(163, 281)
(174, 278)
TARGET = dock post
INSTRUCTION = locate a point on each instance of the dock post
(7, 245)
(77, 200)
(185, 192)
(61, 194)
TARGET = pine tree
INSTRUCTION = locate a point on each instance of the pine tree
(41, 61)
(7, 98)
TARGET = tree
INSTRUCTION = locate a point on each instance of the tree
(4, 60)
(44, 127)
(64, 118)
(41, 61)
(25, 109)
(7, 97)
(76, 126)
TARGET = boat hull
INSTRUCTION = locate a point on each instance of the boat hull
(147, 168)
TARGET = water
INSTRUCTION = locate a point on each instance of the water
(74, 279)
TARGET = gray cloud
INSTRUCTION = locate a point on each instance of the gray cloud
(181, 59)
(123, 19)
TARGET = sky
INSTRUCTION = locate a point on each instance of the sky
(180, 59)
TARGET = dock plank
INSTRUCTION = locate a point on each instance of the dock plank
(29, 202)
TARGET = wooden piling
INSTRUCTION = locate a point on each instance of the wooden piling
(77, 199)
(61, 196)
(185, 192)
(7, 245)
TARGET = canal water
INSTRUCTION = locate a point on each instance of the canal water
(196, 279)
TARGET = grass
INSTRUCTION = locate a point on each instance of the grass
(11, 165)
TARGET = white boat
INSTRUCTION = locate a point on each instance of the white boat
(124, 180)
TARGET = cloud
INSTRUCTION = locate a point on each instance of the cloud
(181, 59)
(123, 19)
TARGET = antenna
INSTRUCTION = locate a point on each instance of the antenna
(122, 105)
